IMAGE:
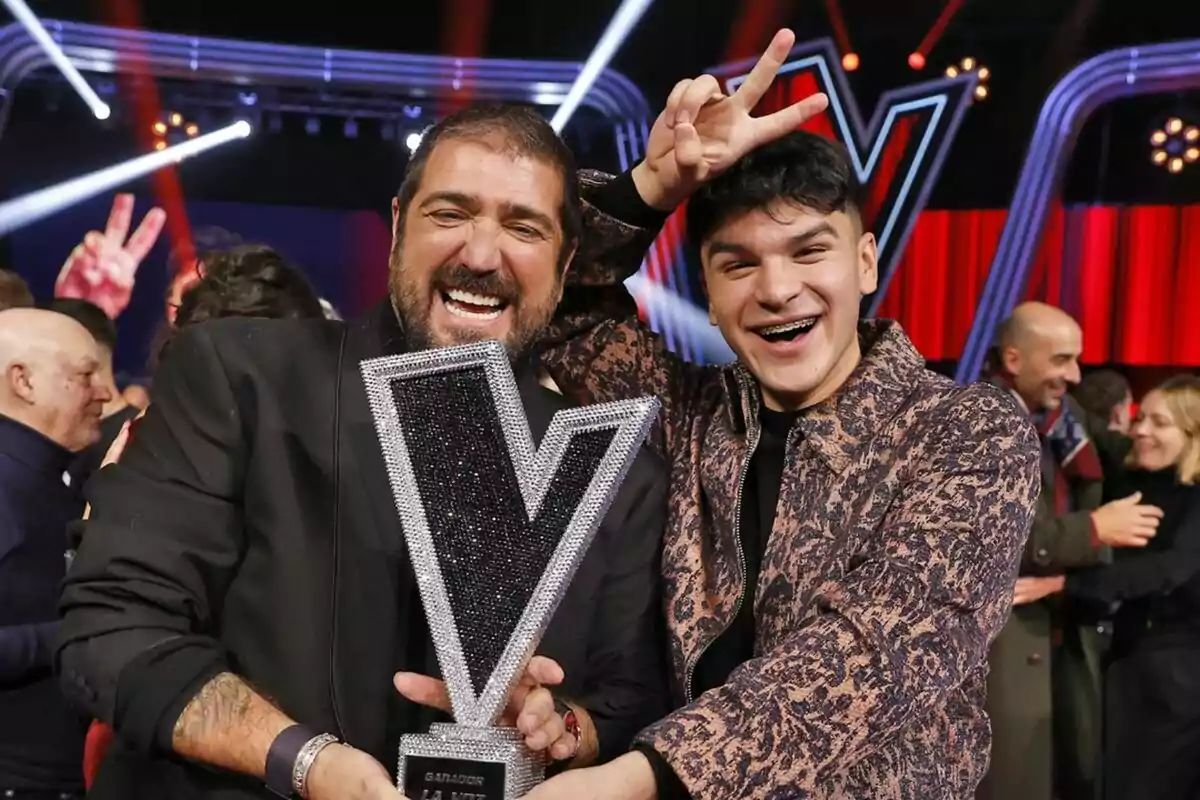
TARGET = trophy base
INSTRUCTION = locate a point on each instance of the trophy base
(456, 762)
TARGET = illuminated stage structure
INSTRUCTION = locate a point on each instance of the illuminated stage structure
(1127, 72)
(394, 88)
(898, 153)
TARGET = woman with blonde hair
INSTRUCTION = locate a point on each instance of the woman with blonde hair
(1152, 683)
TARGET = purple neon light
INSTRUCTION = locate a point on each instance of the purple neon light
(1127, 72)
(901, 218)
(97, 48)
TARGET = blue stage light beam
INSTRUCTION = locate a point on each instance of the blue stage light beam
(57, 57)
(29, 208)
(618, 29)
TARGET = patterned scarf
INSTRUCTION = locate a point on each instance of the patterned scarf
(1065, 437)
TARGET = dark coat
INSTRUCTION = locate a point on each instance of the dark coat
(250, 527)
(1044, 686)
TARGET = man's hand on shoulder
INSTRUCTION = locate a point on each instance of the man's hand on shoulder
(702, 131)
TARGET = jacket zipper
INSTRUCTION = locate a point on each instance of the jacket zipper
(741, 554)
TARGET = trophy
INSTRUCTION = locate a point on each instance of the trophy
(496, 529)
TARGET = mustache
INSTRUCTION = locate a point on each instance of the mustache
(460, 277)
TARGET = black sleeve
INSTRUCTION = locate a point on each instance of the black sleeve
(666, 783)
(156, 557)
(627, 685)
(619, 199)
(1143, 574)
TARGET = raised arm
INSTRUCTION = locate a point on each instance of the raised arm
(599, 350)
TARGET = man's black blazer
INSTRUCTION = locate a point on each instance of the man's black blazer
(250, 526)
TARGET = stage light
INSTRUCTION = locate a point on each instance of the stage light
(622, 22)
(350, 129)
(1173, 145)
(29, 208)
(412, 142)
(312, 126)
(172, 129)
(38, 33)
(916, 60)
(850, 62)
(982, 73)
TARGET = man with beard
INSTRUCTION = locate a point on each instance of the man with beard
(242, 602)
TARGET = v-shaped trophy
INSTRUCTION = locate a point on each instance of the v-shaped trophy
(496, 529)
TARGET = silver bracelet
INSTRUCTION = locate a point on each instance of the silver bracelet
(305, 758)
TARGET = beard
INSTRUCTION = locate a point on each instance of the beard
(413, 301)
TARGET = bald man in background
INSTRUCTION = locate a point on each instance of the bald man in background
(50, 406)
(1044, 685)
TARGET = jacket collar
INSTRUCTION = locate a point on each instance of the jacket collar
(841, 425)
(33, 448)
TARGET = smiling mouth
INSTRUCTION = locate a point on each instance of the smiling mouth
(468, 305)
(787, 331)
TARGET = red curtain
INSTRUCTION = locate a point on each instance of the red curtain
(1130, 275)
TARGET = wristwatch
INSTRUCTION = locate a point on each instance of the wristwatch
(570, 723)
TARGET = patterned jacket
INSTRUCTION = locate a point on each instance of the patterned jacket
(905, 503)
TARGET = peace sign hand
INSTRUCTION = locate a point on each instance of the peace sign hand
(702, 131)
(102, 267)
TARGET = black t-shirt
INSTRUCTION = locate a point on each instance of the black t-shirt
(760, 498)
(760, 495)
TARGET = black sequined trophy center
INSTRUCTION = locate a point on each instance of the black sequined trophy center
(496, 529)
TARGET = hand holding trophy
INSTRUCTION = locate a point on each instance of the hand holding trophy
(531, 707)
(496, 529)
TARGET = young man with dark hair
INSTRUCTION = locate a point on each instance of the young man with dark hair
(844, 526)
(242, 600)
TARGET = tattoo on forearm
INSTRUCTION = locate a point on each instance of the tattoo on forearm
(224, 701)
(227, 724)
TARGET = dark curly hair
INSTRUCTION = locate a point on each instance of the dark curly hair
(802, 168)
(247, 281)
